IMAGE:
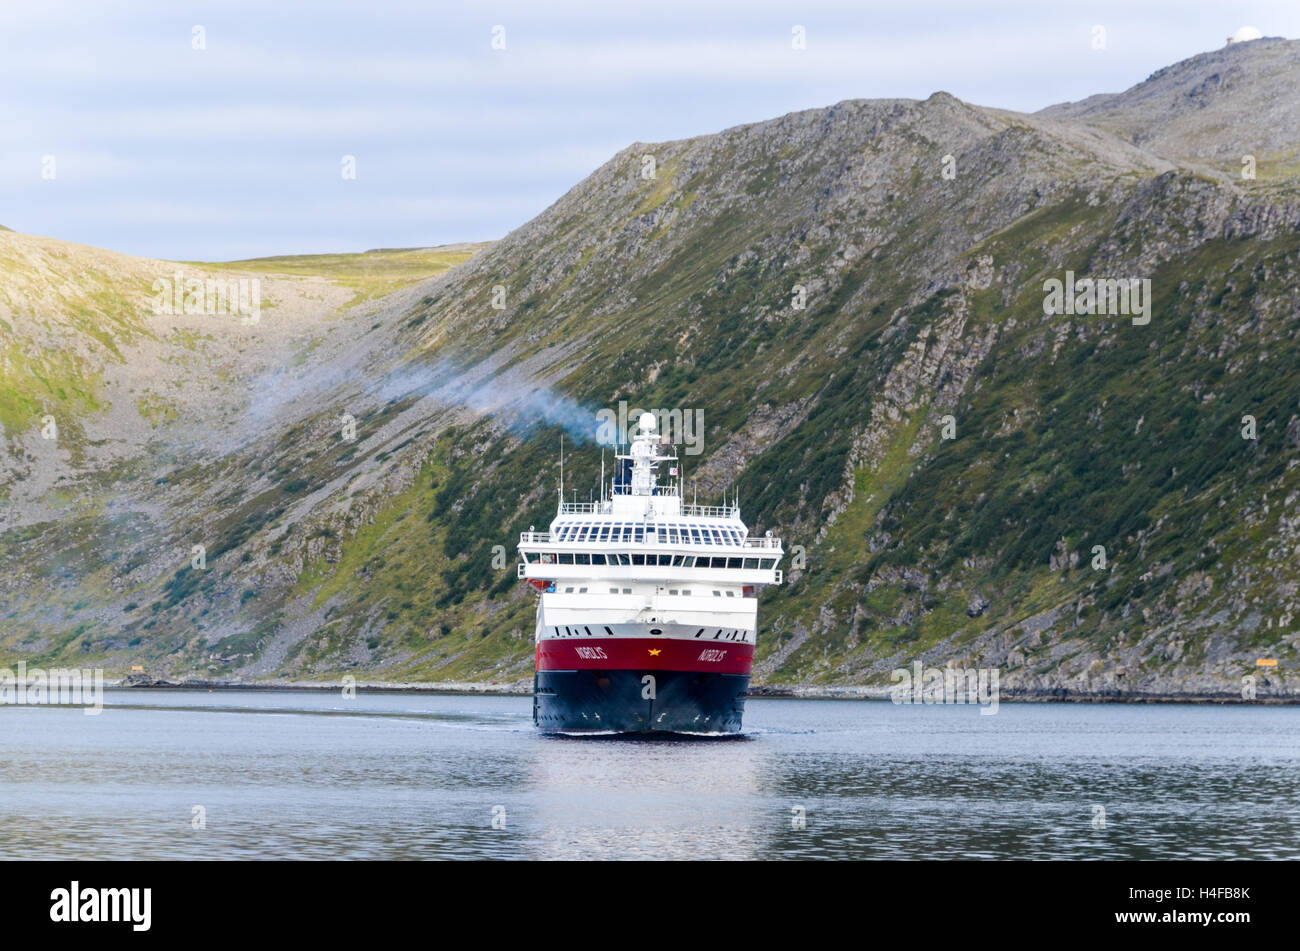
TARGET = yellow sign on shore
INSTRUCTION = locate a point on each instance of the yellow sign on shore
(1263, 662)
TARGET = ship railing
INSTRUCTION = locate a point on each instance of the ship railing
(711, 511)
(579, 508)
(690, 511)
(545, 538)
(667, 489)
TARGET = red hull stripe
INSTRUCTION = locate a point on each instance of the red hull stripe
(644, 653)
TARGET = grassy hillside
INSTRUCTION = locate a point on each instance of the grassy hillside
(371, 274)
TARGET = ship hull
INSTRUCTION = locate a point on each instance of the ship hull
(639, 701)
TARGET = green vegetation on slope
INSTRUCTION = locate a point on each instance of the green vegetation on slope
(370, 274)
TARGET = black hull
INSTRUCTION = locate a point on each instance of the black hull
(604, 701)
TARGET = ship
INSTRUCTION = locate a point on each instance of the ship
(647, 608)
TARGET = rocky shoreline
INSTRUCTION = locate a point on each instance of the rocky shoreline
(523, 688)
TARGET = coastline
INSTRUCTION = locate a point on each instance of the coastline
(524, 688)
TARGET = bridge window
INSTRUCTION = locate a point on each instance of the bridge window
(531, 557)
(751, 562)
(597, 559)
(767, 563)
(733, 562)
(566, 558)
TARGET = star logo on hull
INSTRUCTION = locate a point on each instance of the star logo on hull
(654, 652)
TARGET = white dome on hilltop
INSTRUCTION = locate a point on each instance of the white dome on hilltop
(1246, 33)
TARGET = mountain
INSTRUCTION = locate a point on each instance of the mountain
(856, 299)
(1212, 108)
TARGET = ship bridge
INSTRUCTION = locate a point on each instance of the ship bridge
(642, 529)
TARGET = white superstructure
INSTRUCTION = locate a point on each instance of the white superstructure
(641, 563)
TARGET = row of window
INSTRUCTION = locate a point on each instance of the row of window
(672, 534)
(661, 561)
(684, 592)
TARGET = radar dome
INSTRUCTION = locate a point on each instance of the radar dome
(647, 422)
(1246, 33)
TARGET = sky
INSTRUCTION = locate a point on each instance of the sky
(219, 131)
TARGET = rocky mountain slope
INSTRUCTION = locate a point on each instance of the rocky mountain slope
(1213, 108)
(854, 296)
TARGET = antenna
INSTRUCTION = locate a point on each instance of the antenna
(561, 469)
(602, 474)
